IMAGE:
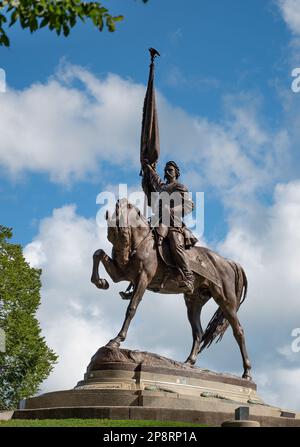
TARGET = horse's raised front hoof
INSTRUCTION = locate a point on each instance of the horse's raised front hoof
(95, 280)
(99, 254)
(105, 284)
(100, 283)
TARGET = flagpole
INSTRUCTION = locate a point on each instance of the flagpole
(150, 134)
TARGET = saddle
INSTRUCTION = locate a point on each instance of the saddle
(199, 261)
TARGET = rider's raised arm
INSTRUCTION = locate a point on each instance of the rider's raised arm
(154, 179)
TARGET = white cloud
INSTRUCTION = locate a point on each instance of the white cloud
(267, 247)
(282, 387)
(290, 10)
(69, 132)
(65, 131)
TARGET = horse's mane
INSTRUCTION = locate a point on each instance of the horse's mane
(138, 211)
(121, 239)
(143, 218)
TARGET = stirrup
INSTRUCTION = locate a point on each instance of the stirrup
(187, 287)
(126, 295)
(190, 290)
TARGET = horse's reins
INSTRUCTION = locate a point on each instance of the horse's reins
(134, 250)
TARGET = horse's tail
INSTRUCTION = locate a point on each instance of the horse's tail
(218, 324)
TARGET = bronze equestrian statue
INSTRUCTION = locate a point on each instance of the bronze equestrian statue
(162, 257)
(137, 258)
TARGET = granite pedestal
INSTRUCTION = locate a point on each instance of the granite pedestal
(124, 384)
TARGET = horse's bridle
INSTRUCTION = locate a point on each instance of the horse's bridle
(134, 249)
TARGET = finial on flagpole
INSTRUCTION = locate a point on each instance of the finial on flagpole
(153, 53)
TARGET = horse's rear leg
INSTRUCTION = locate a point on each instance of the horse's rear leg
(194, 304)
(138, 293)
(229, 308)
(239, 335)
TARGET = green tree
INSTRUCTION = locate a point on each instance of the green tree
(57, 15)
(27, 360)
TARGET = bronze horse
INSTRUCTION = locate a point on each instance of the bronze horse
(135, 258)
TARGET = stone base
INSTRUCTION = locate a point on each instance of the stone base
(123, 384)
(241, 424)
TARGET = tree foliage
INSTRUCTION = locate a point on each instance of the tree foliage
(57, 15)
(27, 360)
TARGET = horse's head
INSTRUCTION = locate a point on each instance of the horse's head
(121, 225)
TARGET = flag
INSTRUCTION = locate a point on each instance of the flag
(150, 148)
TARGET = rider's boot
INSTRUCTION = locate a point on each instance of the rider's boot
(187, 283)
(160, 241)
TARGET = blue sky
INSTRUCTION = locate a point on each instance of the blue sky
(69, 128)
(209, 50)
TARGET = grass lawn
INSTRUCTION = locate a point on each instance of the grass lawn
(92, 423)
